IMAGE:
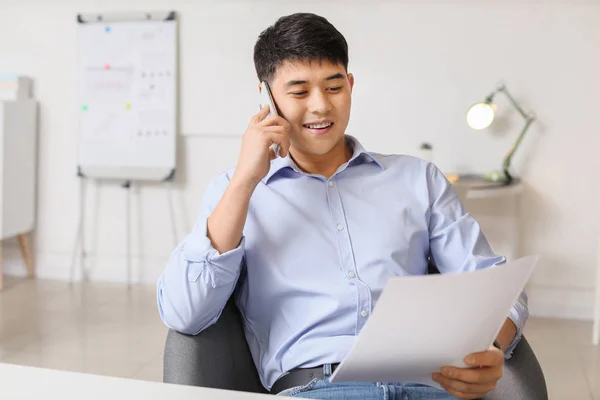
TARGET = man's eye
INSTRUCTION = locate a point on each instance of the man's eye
(299, 93)
(335, 89)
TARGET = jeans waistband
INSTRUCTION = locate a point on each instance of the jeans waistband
(301, 376)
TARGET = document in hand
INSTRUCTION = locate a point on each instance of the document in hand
(422, 323)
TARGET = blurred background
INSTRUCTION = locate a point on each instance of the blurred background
(418, 66)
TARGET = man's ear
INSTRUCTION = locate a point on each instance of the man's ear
(351, 81)
(259, 86)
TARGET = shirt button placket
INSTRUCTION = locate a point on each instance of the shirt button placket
(347, 256)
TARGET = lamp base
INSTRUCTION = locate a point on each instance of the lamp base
(498, 177)
(479, 181)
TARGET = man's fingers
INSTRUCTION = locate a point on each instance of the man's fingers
(270, 120)
(282, 140)
(463, 387)
(489, 358)
(272, 154)
(274, 120)
(261, 115)
(461, 395)
(473, 375)
(472, 383)
(275, 129)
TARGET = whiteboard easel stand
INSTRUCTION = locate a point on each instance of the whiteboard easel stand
(94, 32)
(79, 250)
(79, 236)
(127, 185)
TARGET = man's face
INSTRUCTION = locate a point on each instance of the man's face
(315, 98)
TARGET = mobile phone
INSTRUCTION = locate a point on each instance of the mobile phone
(267, 98)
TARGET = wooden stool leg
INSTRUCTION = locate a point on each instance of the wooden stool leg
(26, 252)
(1, 262)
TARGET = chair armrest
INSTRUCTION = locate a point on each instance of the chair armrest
(523, 377)
(217, 357)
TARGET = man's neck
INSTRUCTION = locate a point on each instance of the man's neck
(323, 164)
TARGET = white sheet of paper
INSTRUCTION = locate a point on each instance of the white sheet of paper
(422, 323)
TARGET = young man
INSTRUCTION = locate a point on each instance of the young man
(311, 235)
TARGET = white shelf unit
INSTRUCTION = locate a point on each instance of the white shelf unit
(18, 173)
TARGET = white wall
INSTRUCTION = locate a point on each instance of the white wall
(434, 59)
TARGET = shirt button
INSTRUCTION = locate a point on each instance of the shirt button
(340, 227)
(331, 183)
(363, 313)
(351, 274)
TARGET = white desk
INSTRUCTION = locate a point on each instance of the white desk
(22, 383)
(475, 188)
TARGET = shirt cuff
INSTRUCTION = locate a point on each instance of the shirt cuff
(518, 315)
(201, 255)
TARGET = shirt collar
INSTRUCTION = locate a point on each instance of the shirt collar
(359, 156)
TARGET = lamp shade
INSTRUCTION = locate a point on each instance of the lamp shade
(480, 115)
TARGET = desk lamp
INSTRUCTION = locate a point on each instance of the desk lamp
(481, 115)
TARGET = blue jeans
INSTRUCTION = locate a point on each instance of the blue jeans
(325, 390)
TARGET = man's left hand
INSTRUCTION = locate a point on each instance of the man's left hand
(472, 383)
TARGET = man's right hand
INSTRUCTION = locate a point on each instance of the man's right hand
(256, 154)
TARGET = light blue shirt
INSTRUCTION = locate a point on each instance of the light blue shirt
(316, 254)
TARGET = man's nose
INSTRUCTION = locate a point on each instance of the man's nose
(319, 103)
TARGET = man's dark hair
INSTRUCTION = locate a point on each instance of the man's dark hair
(298, 37)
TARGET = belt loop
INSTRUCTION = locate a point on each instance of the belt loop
(327, 370)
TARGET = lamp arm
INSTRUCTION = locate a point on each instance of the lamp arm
(528, 120)
(509, 155)
(516, 105)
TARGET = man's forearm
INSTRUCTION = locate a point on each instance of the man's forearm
(226, 223)
(507, 334)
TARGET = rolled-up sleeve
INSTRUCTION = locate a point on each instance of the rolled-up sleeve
(457, 243)
(518, 315)
(197, 280)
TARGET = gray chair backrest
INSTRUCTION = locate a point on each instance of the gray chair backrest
(218, 357)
